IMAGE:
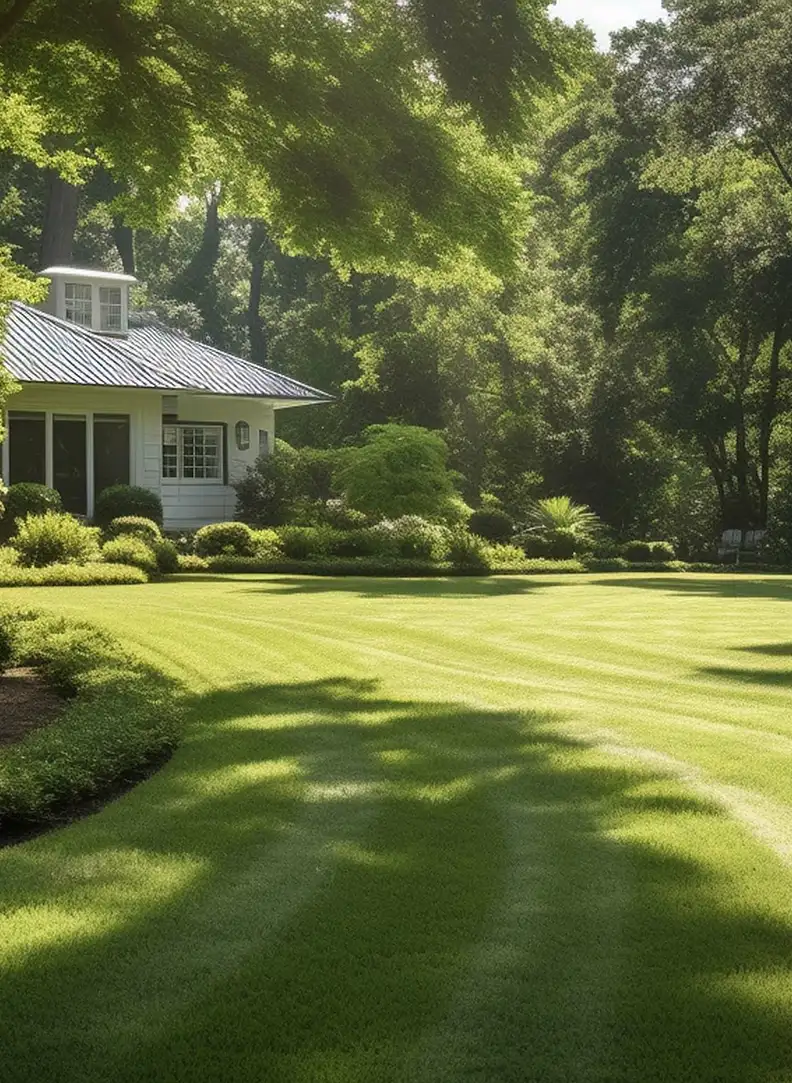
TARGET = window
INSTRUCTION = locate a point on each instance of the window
(264, 444)
(192, 452)
(27, 454)
(78, 304)
(110, 308)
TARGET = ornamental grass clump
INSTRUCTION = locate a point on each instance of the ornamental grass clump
(559, 527)
(54, 538)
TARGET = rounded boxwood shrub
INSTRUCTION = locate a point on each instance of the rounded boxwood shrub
(29, 498)
(491, 523)
(266, 544)
(234, 539)
(167, 556)
(119, 501)
(130, 550)
(638, 551)
(662, 551)
(136, 525)
(562, 543)
(54, 538)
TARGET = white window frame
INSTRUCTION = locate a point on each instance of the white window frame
(180, 428)
(111, 312)
(82, 305)
(49, 472)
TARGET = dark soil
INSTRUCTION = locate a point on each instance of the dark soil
(27, 702)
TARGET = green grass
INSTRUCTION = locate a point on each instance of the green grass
(441, 831)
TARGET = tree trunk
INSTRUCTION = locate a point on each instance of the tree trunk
(124, 237)
(715, 468)
(60, 222)
(9, 19)
(197, 284)
(769, 413)
(257, 332)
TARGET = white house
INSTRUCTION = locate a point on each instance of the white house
(111, 398)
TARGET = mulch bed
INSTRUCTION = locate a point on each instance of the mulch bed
(27, 702)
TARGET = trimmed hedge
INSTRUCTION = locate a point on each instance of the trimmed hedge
(136, 526)
(369, 566)
(121, 715)
(29, 498)
(70, 575)
(218, 538)
(129, 549)
(121, 501)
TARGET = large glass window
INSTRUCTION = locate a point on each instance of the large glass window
(27, 447)
(78, 304)
(192, 452)
(111, 450)
(69, 462)
(110, 308)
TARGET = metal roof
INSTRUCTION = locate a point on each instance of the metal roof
(204, 368)
(40, 348)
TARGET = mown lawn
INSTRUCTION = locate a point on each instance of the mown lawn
(503, 831)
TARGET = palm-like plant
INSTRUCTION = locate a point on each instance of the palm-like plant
(564, 526)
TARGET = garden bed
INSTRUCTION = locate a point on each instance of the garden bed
(115, 717)
(27, 702)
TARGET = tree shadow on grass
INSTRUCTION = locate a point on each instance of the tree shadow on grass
(387, 890)
(370, 587)
(715, 585)
(782, 650)
(773, 677)
(463, 586)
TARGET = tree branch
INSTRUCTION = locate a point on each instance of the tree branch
(782, 169)
(10, 18)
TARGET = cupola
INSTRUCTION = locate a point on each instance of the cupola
(95, 300)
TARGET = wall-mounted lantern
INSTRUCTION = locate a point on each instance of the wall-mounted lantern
(242, 435)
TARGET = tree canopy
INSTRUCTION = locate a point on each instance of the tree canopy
(376, 133)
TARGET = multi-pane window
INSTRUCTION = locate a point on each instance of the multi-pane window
(110, 308)
(192, 452)
(78, 304)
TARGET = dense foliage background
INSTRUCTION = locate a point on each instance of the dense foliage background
(575, 267)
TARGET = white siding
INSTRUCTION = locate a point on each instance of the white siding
(186, 505)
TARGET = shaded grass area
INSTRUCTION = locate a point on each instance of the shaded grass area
(360, 869)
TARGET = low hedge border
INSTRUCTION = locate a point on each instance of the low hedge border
(402, 566)
(70, 575)
(121, 716)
